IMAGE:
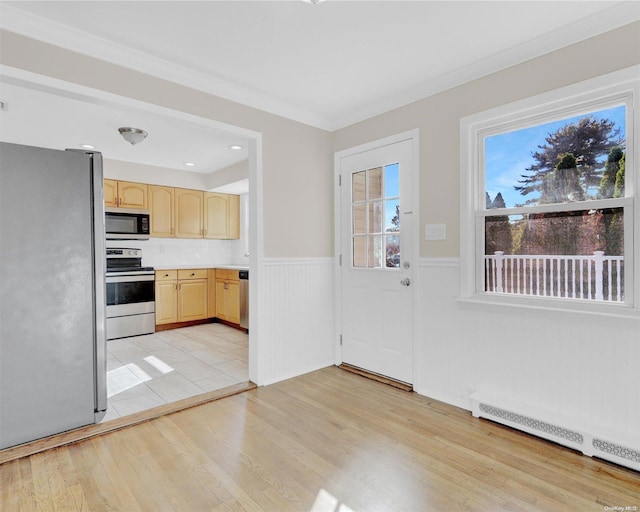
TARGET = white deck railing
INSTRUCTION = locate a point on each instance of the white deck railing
(590, 277)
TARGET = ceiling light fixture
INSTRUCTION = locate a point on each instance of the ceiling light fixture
(189, 164)
(133, 135)
(87, 146)
(313, 2)
(235, 147)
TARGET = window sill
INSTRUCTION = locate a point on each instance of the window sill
(564, 306)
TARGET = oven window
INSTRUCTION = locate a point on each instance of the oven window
(130, 292)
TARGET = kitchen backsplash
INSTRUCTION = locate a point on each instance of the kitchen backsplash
(157, 252)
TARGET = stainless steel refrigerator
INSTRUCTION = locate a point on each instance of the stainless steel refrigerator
(52, 292)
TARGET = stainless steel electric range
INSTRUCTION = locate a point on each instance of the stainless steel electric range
(130, 294)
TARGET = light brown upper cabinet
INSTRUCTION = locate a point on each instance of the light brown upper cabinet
(110, 193)
(221, 216)
(161, 208)
(187, 213)
(189, 208)
(125, 194)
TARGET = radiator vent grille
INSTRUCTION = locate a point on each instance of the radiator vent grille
(617, 450)
(534, 424)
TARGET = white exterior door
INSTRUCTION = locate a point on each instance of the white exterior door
(376, 234)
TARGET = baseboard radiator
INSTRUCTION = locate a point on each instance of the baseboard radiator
(614, 447)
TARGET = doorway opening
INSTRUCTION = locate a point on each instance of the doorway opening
(56, 92)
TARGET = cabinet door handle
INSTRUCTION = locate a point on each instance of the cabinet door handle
(193, 273)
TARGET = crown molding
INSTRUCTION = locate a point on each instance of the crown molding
(57, 34)
(622, 13)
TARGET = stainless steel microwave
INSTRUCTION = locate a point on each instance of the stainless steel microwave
(126, 224)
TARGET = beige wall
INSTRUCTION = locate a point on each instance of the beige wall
(130, 171)
(438, 117)
(236, 172)
(297, 159)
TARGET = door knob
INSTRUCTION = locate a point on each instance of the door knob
(406, 282)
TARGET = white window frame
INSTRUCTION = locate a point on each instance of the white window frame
(581, 98)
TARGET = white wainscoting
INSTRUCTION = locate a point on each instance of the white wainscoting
(297, 330)
(580, 366)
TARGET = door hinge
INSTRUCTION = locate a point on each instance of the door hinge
(339, 180)
(341, 260)
(341, 339)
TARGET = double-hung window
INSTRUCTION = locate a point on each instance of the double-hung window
(548, 209)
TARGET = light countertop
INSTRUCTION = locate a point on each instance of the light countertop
(200, 266)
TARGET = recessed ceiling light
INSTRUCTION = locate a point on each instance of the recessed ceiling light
(235, 146)
(87, 146)
(189, 164)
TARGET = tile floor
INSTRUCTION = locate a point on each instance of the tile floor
(156, 369)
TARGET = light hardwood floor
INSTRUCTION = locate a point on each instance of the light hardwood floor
(326, 441)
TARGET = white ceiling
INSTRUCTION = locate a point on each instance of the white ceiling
(52, 118)
(327, 65)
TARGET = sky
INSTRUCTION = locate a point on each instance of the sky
(508, 155)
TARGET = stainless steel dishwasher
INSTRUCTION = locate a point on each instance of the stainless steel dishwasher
(243, 275)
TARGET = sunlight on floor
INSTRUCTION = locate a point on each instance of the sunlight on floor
(125, 377)
(159, 365)
(327, 502)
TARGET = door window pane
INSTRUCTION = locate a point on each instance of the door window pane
(376, 212)
(360, 251)
(392, 180)
(392, 251)
(359, 219)
(392, 216)
(375, 217)
(375, 252)
(358, 183)
(374, 183)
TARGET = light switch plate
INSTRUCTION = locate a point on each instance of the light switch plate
(435, 231)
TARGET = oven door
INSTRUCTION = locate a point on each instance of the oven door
(130, 293)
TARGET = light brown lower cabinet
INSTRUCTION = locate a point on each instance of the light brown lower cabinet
(211, 295)
(181, 295)
(228, 295)
(166, 297)
(196, 294)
